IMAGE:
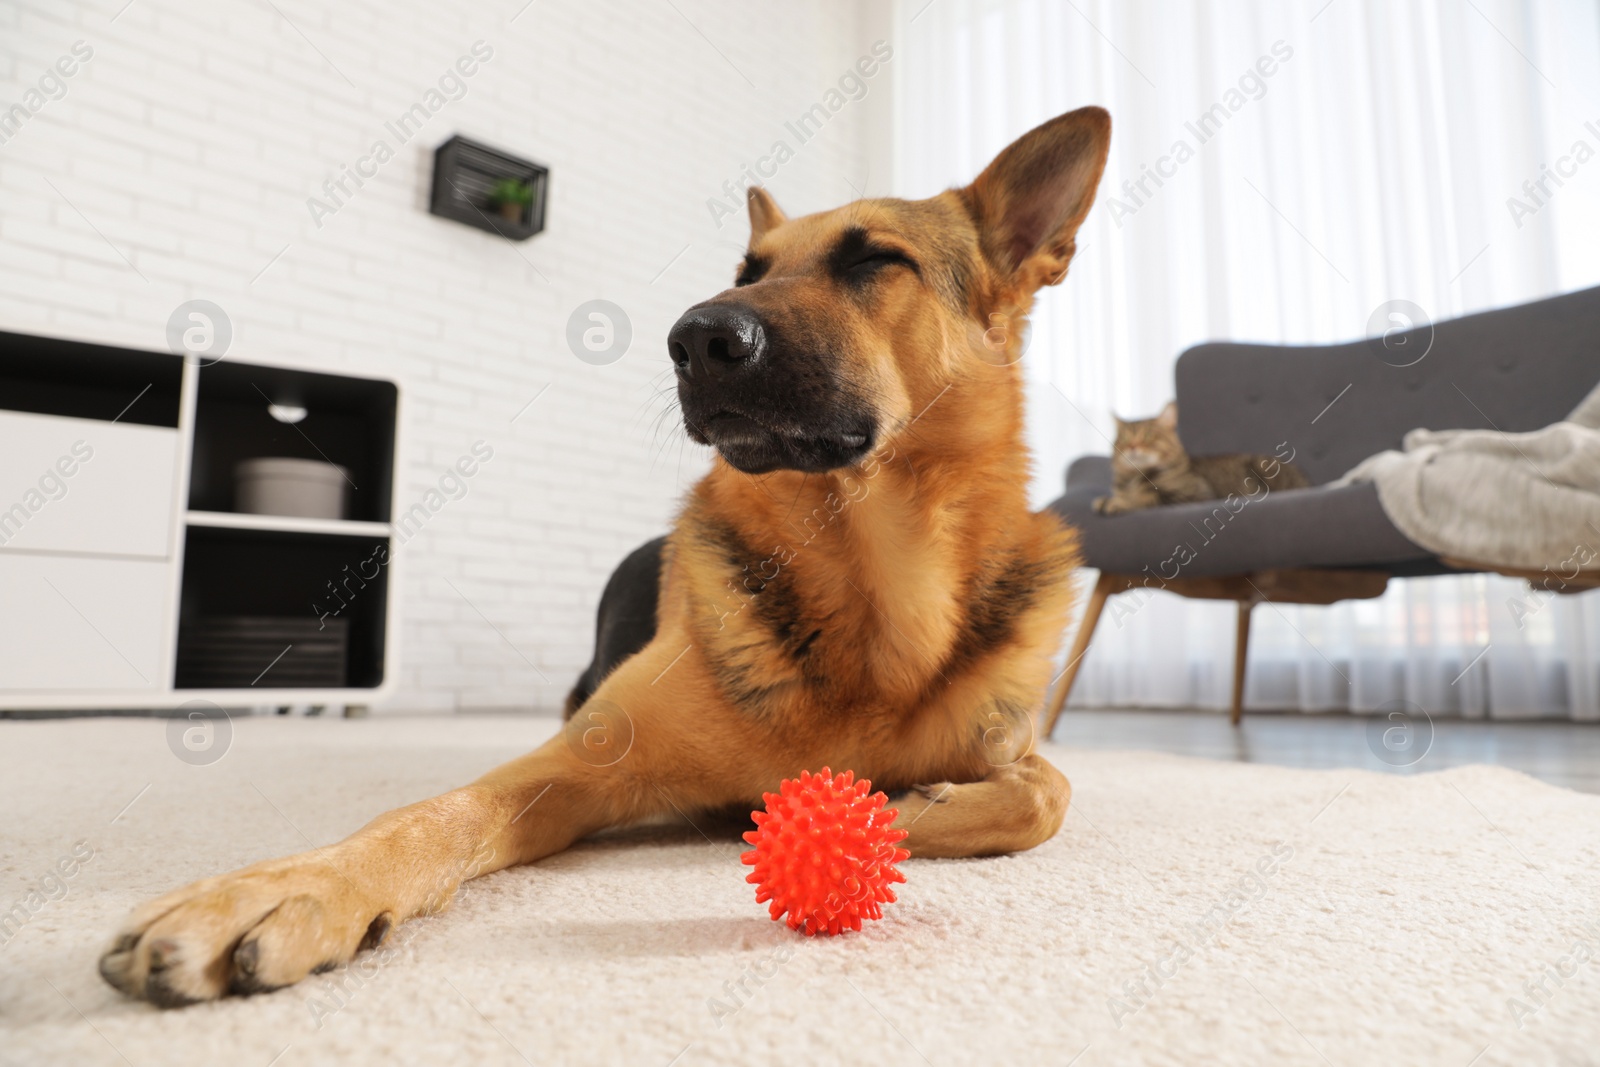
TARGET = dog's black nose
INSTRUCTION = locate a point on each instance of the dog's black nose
(717, 341)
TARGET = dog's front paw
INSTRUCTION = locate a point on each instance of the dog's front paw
(937, 793)
(251, 931)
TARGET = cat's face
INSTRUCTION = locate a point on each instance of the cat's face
(1150, 444)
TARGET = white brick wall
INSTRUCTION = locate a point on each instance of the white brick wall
(194, 136)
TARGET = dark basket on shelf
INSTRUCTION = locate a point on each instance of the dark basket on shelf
(263, 652)
(464, 176)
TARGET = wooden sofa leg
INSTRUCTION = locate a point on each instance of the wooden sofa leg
(1241, 651)
(1080, 646)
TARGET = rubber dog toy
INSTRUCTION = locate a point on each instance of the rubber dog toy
(824, 853)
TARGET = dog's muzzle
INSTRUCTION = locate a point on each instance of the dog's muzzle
(738, 396)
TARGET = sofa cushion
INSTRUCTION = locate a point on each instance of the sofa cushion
(1322, 526)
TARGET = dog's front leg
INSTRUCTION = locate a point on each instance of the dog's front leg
(273, 923)
(646, 743)
(1013, 808)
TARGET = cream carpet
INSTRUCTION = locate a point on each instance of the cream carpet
(1189, 912)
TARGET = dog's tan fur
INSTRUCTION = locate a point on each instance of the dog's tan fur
(896, 617)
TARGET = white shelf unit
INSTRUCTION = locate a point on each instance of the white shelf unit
(116, 541)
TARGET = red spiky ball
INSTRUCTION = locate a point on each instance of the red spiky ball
(824, 852)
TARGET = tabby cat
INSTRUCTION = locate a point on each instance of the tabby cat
(1150, 467)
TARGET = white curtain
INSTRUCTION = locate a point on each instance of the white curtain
(1370, 151)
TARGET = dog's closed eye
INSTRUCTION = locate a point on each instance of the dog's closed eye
(857, 257)
(877, 259)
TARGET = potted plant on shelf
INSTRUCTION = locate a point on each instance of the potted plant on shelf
(512, 198)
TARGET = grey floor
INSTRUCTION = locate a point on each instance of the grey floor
(1561, 753)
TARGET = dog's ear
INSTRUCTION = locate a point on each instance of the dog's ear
(1029, 202)
(765, 214)
(1169, 415)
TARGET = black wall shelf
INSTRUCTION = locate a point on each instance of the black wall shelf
(464, 176)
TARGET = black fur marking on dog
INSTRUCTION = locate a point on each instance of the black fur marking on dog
(778, 608)
(771, 600)
(752, 269)
(801, 650)
(626, 619)
(772, 604)
(998, 597)
(377, 930)
(724, 539)
(733, 679)
(856, 260)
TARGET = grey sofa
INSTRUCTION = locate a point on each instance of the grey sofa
(1514, 369)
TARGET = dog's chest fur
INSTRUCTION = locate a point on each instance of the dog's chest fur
(870, 599)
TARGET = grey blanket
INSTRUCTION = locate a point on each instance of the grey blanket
(1524, 500)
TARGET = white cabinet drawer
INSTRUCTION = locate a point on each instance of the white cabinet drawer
(85, 485)
(76, 622)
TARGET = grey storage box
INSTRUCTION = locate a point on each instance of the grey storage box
(301, 488)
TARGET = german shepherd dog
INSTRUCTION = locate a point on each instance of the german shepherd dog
(858, 583)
